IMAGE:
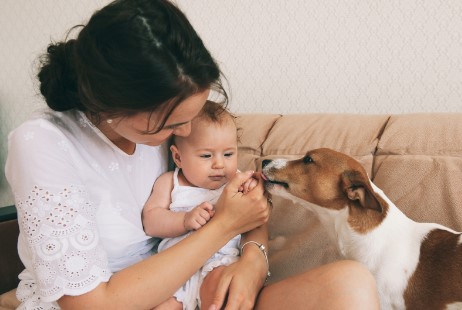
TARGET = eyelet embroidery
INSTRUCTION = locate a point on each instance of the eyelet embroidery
(60, 227)
(113, 166)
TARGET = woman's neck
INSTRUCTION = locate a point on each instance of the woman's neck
(122, 143)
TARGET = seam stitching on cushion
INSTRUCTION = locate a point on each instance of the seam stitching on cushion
(379, 136)
(267, 135)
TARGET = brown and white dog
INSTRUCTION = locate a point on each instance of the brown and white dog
(416, 265)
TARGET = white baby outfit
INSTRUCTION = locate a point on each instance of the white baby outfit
(184, 199)
(79, 200)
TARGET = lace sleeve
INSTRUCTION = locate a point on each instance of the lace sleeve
(61, 247)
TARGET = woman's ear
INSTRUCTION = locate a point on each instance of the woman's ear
(175, 155)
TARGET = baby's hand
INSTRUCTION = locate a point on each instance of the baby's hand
(199, 216)
(248, 185)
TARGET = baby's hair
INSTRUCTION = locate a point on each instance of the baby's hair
(217, 113)
(214, 112)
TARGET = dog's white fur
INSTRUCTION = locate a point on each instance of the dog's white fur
(390, 251)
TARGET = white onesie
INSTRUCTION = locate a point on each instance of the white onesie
(184, 199)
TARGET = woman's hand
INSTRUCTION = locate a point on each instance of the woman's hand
(238, 284)
(241, 212)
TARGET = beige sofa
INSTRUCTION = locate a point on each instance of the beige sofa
(416, 159)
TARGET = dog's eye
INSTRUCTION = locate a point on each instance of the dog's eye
(308, 160)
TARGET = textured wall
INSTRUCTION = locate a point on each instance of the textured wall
(279, 56)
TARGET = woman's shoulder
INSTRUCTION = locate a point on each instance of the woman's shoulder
(44, 121)
(46, 134)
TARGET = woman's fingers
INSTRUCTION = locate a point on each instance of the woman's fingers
(238, 181)
(243, 212)
(220, 293)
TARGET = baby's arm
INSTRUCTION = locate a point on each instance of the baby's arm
(158, 220)
(199, 216)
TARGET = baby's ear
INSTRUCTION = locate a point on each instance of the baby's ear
(175, 155)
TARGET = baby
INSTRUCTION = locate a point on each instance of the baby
(183, 200)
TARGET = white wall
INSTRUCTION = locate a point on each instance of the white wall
(287, 56)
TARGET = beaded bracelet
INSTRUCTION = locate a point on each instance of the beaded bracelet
(263, 250)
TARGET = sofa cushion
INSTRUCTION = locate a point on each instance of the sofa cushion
(291, 136)
(437, 134)
(297, 241)
(253, 129)
(426, 188)
(418, 164)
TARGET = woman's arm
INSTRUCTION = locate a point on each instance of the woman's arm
(241, 282)
(150, 282)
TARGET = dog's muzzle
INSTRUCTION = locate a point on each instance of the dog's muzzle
(268, 169)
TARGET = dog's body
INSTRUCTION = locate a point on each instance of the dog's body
(416, 265)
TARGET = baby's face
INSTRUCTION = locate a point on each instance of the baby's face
(208, 156)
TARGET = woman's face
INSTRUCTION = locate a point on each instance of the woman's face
(133, 128)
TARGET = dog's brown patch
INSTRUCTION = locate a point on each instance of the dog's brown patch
(367, 209)
(323, 176)
(432, 289)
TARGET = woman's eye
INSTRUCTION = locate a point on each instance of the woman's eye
(308, 160)
(173, 127)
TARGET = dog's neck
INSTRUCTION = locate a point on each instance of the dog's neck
(355, 232)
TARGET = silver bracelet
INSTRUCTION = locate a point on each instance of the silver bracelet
(263, 250)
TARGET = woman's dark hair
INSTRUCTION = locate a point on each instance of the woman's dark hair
(132, 56)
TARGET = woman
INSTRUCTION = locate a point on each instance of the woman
(81, 172)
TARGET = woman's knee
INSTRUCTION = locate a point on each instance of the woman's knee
(357, 283)
(355, 274)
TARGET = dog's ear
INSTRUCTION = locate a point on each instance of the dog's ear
(357, 187)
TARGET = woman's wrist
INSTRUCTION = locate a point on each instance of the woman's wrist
(257, 253)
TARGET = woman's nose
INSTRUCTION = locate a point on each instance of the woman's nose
(183, 130)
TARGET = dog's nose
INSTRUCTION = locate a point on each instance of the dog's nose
(265, 163)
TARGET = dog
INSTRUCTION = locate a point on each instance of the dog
(416, 265)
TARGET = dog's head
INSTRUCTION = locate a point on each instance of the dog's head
(325, 178)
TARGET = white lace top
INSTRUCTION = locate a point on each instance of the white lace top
(79, 201)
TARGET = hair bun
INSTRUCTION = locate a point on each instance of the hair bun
(57, 77)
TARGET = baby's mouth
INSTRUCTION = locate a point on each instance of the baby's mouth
(216, 177)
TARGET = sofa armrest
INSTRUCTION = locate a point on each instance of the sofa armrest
(8, 213)
(10, 264)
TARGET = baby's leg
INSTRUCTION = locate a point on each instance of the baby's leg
(169, 304)
(209, 286)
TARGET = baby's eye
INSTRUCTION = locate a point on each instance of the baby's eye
(205, 155)
(229, 154)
